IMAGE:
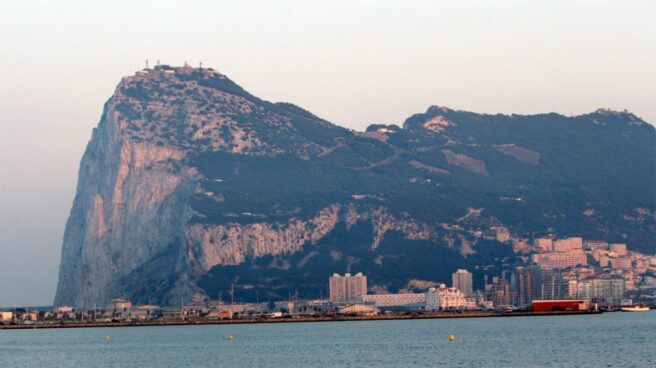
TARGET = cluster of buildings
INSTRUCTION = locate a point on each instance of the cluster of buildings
(352, 290)
(599, 271)
(584, 272)
(348, 295)
(593, 272)
(116, 309)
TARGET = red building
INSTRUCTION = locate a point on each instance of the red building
(560, 305)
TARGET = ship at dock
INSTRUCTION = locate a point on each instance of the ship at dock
(636, 308)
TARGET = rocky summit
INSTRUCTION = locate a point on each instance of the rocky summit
(191, 186)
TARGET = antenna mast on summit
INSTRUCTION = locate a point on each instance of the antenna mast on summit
(146, 63)
(200, 65)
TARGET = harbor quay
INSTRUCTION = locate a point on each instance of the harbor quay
(292, 319)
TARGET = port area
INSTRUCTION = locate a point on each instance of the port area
(292, 319)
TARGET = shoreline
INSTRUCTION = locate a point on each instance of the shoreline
(382, 317)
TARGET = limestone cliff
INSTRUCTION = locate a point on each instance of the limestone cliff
(126, 210)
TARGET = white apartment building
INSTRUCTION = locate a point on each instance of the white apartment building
(119, 305)
(347, 288)
(443, 298)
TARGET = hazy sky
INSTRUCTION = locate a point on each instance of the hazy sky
(351, 62)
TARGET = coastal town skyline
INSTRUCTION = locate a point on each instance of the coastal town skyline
(546, 268)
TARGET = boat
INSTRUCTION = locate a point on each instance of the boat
(636, 308)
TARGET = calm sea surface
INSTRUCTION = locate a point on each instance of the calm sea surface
(608, 340)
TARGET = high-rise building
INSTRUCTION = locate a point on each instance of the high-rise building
(499, 292)
(551, 285)
(462, 280)
(583, 290)
(579, 289)
(347, 288)
(608, 290)
(524, 282)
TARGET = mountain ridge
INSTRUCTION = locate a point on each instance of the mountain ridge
(191, 184)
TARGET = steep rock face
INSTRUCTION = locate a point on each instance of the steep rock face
(131, 205)
(233, 243)
(230, 244)
(125, 211)
(191, 186)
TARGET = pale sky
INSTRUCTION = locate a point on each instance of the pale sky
(350, 62)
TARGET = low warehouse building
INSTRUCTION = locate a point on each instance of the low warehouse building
(560, 305)
(358, 309)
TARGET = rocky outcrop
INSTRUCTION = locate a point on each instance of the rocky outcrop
(232, 243)
(190, 183)
(383, 222)
(131, 209)
(133, 188)
(437, 124)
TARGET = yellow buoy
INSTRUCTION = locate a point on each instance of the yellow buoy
(452, 338)
(230, 338)
(107, 338)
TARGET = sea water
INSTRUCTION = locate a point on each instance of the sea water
(607, 340)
